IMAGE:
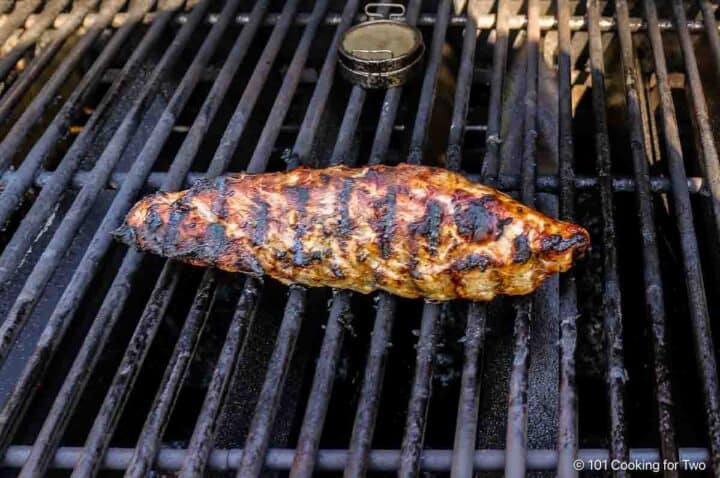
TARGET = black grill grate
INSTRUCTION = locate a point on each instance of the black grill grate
(112, 360)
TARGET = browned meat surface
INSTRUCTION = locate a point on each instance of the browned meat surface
(413, 231)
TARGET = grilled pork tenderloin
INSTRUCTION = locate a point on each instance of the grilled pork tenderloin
(413, 231)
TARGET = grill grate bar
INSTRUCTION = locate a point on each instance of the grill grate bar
(266, 409)
(219, 163)
(705, 350)
(709, 153)
(11, 410)
(491, 166)
(81, 206)
(40, 25)
(308, 443)
(504, 182)
(568, 419)
(683, 212)
(22, 179)
(339, 314)
(342, 151)
(358, 458)
(483, 21)
(413, 436)
(42, 208)
(203, 435)
(52, 334)
(469, 399)
(368, 401)
(256, 443)
(711, 30)
(15, 137)
(158, 416)
(433, 460)
(652, 278)
(118, 292)
(612, 314)
(516, 440)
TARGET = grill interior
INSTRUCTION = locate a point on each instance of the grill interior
(114, 362)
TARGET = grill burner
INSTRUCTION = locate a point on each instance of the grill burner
(113, 360)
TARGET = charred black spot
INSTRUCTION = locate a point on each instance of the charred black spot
(501, 226)
(153, 220)
(473, 219)
(179, 211)
(219, 205)
(215, 241)
(429, 225)
(384, 222)
(337, 271)
(412, 269)
(300, 196)
(556, 243)
(125, 234)
(521, 247)
(345, 224)
(260, 221)
(471, 261)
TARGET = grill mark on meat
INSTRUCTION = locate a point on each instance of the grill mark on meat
(215, 241)
(301, 196)
(153, 221)
(345, 224)
(219, 204)
(556, 243)
(500, 228)
(429, 225)
(521, 248)
(260, 220)
(472, 261)
(473, 219)
(384, 222)
(178, 212)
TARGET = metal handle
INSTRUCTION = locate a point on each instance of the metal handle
(372, 10)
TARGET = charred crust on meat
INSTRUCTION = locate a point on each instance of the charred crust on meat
(337, 271)
(178, 212)
(501, 227)
(153, 220)
(300, 195)
(345, 225)
(521, 248)
(429, 225)
(219, 204)
(472, 261)
(384, 222)
(260, 221)
(555, 243)
(126, 234)
(216, 240)
(474, 220)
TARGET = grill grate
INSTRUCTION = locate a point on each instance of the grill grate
(100, 346)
